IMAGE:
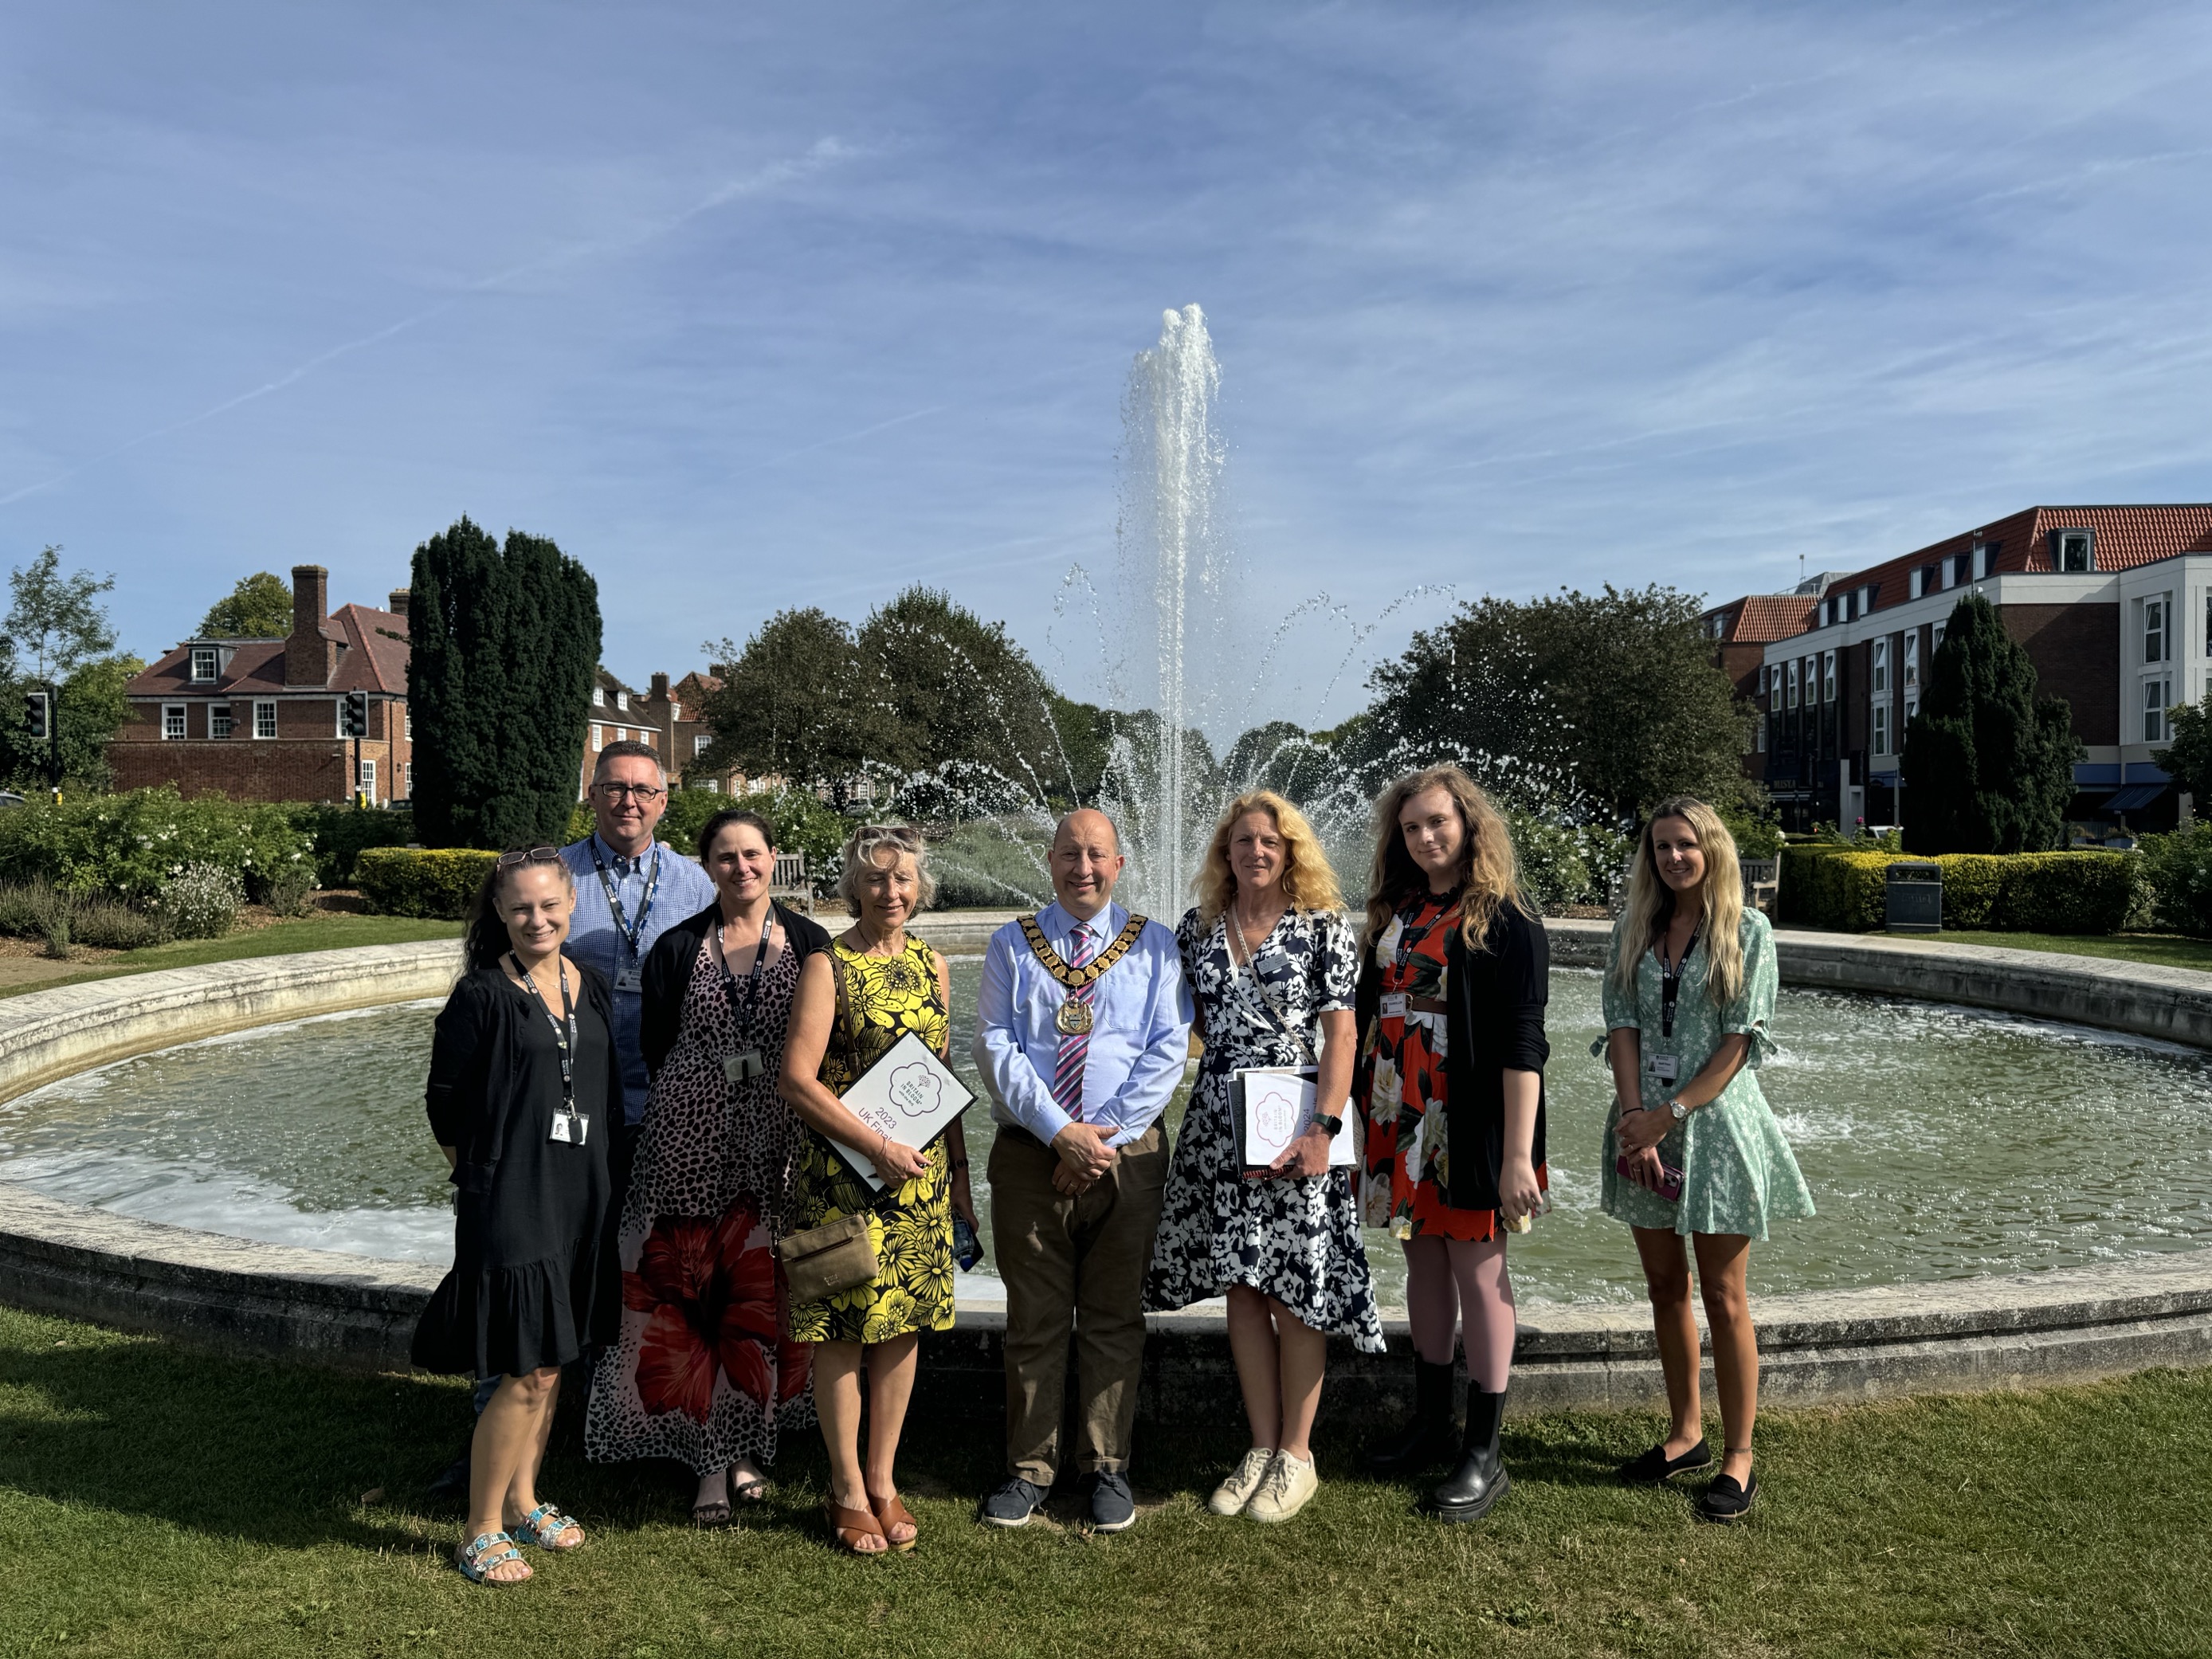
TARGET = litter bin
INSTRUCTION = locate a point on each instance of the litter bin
(1915, 895)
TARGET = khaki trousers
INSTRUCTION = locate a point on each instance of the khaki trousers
(1073, 1264)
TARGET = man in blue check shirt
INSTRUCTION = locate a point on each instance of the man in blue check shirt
(629, 890)
(1083, 1033)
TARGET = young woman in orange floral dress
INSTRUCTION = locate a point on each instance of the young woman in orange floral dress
(1453, 982)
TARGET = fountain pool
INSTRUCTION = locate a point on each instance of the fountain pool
(1942, 1143)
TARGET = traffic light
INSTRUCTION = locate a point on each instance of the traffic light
(36, 714)
(357, 714)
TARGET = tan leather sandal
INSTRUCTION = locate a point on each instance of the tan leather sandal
(848, 1527)
(892, 1513)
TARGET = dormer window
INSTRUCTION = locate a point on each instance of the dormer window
(2072, 550)
(1866, 599)
(206, 661)
(1985, 558)
(622, 700)
(598, 696)
(1962, 569)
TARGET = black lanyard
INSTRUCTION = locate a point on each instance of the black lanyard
(631, 936)
(752, 981)
(564, 1030)
(1670, 978)
(1408, 940)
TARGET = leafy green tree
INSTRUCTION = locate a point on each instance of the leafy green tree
(505, 639)
(1988, 763)
(57, 633)
(258, 608)
(793, 703)
(2189, 761)
(952, 691)
(1613, 696)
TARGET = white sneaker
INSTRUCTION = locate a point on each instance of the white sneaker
(1230, 1497)
(1287, 1487)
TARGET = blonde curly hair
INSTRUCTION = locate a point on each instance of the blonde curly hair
(1307, 882)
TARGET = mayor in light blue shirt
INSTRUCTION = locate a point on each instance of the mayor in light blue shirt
(628, 794)
(1078, 1077)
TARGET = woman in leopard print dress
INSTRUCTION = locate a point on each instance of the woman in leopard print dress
(702, 1374)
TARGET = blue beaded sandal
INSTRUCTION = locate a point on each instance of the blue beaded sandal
(492, 1549)
(545, 1523)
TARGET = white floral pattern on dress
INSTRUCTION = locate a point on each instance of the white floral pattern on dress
(1295, 1240)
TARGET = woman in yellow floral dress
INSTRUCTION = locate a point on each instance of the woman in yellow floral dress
(869, 988)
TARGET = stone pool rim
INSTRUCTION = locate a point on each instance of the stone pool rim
(1826, 1347)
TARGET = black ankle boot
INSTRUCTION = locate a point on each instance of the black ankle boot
(1427, 1440)
(1481, 1480)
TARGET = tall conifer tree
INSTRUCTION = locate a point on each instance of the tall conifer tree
(1988, 764)
(504, 639)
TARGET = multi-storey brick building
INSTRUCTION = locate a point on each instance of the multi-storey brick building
(1741, 631)
(666, 717)
(2112, 604)
(259, 720)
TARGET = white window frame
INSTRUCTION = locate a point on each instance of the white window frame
(338, 717)
(212, 658)
(367, 781)
(622, 701)
(1827, 677)
(700, 743)
(1912, 660)
(2158, 628)
(598, 738)
(1878, 673)
(264, 729)
(1912, 714)
(598, 696)
(1774, 687)
(174, 711)
(1758, 741)
(1935, 639)
(2068, 541)
(220, 713)
(2156, 696)
(407, 777)
(1881, 740)
(1792, 677)
(407, 720)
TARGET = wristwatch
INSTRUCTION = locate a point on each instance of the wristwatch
(1678, 1110)
(1333, 1127)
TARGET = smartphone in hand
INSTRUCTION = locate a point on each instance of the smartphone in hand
(1670, 1178)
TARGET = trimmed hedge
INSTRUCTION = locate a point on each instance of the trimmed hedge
(413, 881)
(2180, 869)
(2085, 892)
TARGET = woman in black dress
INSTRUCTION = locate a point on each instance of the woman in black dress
(524, 1093)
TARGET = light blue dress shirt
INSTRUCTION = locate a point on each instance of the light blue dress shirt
(1140, 1014)
(683, 892)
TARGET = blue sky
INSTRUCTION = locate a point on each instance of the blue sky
(751, 307)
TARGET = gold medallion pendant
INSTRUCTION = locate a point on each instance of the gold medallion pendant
(1073, 1019)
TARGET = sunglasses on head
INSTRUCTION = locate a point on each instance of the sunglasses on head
(531, 855)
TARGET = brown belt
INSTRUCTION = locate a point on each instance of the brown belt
(1426, 1004)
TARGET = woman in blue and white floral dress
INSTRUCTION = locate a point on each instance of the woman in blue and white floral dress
(1273, 965)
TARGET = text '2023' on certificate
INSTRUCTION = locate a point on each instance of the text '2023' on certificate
(909, 1095)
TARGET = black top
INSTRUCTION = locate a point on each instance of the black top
(481, 1074)
(1493, 1023)
(668, 968)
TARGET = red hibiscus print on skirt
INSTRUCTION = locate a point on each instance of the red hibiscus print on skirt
(709, 1290)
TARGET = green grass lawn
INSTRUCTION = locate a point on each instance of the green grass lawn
(280, 939)
(155, 1499)
(2163, 949)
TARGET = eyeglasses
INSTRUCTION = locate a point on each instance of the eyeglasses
(644, 793)
(532, 855)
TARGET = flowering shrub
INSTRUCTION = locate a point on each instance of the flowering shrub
(201, 900)
(133, 846)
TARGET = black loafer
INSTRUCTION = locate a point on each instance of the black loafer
(1725, 1501)
(1655, 1468)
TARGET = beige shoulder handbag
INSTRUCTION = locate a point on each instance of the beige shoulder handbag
(839, 1255)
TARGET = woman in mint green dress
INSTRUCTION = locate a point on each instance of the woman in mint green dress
(1691, 1150)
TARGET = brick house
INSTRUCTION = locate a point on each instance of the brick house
(2112, 604)
(1741, 631)
(665, 717)
(259, 720)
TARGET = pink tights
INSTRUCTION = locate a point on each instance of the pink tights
(1447, 1278)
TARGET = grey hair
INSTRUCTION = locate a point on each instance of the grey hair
(860, 851)
(629, 750)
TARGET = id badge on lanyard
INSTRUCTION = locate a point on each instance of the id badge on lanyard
(1665, 1064)
(569, 1125)
(749, 1063)
(630, 975)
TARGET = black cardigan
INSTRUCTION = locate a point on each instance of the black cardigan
(1493, 1023)
(473, 1068)
(668, 967)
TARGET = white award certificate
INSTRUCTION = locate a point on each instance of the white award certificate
(1279, 1107)
(908, 1094)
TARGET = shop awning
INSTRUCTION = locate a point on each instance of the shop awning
(2134, 796)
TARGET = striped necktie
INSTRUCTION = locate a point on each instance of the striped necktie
(1074, 1046)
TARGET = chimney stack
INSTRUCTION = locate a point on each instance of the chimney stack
(660, 688)
(306, 653)
(397, 605)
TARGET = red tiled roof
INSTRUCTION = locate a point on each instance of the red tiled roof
(374, 660)
(1760, 618)
(2126, 537)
